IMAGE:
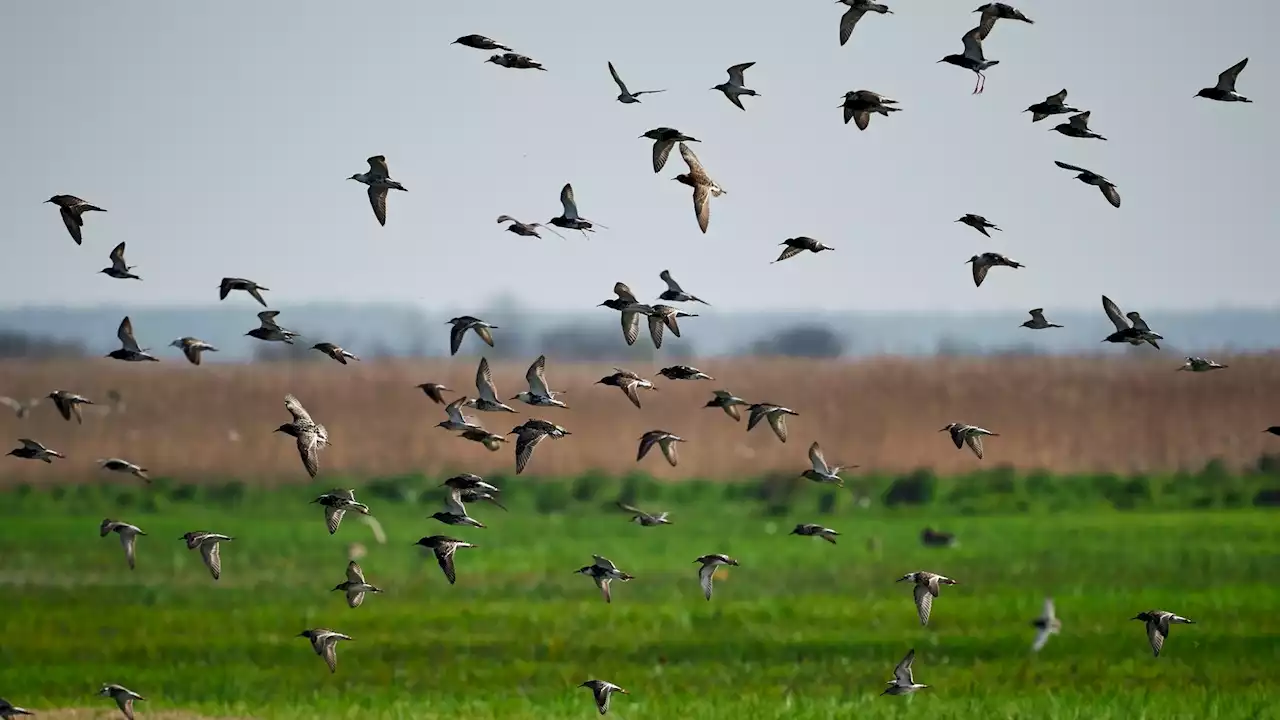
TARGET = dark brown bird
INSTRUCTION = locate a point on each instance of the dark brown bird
(433, 390)
(480, 42)
(72, 210)
(797, 245)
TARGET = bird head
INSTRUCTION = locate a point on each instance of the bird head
(285, 428)
(972, 259)
(1139, 616)
(908, 576)
(354, 177)
(733, 562)
(52, 199)
(1199, 94)
(948, 427)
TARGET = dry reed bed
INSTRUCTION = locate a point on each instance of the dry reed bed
(1061, 414)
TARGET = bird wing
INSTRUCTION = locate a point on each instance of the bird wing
(125, 333)
(602, 692)
(1109, 191)
(790, 251)
(661, 150)
(706, 574)
(973, 41)
(849, 20)
(378, 167)
(212, 557)
(1037, 314)
(630, 326)
(309, 451)
(603, 562)
(129, 540)
(444, 556)
(355, 598)
(603, 584)
(537, 377)
(455, 338)
(453, 503)
(695, 166)
(484, 382)
(1042, 637)
(299, 413)
(1156, 635)
(668, 447)
(646, 443)
(672, 285)
(1113, 313)
(618, 80)
(980, 272)
(818, 461)
(778, 422)
(656, 324)
(630, 389)
(354, 573)
(902, 672)
(267, 318)
(624, 293)
(332, 517)
(484, 334)
(1068, 166)
(117, 258)
(454, 411)
(1138, 322)
(702, 205)
(378, 201)
(1057, 98)
(861, 118)
(735, 73)
(566, 199)
(525, 443)
(1080, 121)
(1047, 613)
(1227, 78)
(631, 508)
(72, 220)
(924, 603)
(329, 651)
(975, 444)
(125, 703)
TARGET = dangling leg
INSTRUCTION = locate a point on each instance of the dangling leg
(977, 78)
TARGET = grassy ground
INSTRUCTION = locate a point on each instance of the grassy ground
(802, 629)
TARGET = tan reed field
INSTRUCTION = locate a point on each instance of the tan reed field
(1064, 415)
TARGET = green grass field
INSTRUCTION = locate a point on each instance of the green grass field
(803, 629)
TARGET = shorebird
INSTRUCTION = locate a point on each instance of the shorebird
(68, 404)
(734, 87)
(192, 348)
(309, 434)
(926, 589)
(270, 331)
(355, 586)
(857, 8)
(464, 323)
(1090, 177)
(124, 466)
(433, 390)
(934, 538)
(325, 643)
(249, 286)
(627, 97)
(32, 450)
(643, 518)
(335, 352)
(72, 210)
(704, 188)
(528, 435)
(977, 222)
(970, 435)
(515, 61)
(728, 402)
(987, 260)
(674, 293)
(1130, 328)
(478, 434)
(1077, 126)
(903, 683)
(208, 543)
(603, 571)
(601, 690)
(1037, 321)
(378, 178)
(630, 308)
(812, 530)
(665, 138)
(665, 442)
(661, 316)
(1047, 624)
(1224, 91)
(538, 394)
(456, 420)
(470, 496)
(128, 537)
(129, 350)
(9, 710)
(683, 372)
(1158, 622)
(455, 512)
(336, 503)
(118, 269)
(20, 409)
(525, 229)
(488, 393)
(706, 573)
(1055, 104)
(628, 382)
(480, 42)
(821, 472)
(444, 548)
(860, 104)
(796, 245)
(776, 414)
(1199, 364)
(569, 218)
(972, 58)
(468, 481)
(123, 696)
(999, 11)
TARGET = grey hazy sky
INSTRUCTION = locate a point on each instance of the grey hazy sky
(219, 137)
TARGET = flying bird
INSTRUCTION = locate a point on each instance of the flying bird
(1224, 91)
(683, 372)
(336, 503)
(984, 262)
(456, 420)
(661, 316)
(972, 58)
(491, 441)
(903, 682)
(1199, 364)
(460, 327)
(129, 350)
(821, 472)
(1054, 104)
(628, 382)
(728, 402)
(734, 87)
(479, 42)
(627, 97)
(433, 390)
(20, 409)
(123, 696)
(9, 710)
(674, 293)
(643, 518)
(977, 222)
(269, 330)
(455, 511)
(601, 690)
(72, 210)
(926, 589)
(797, 245)
(32, 450)
(1077, 126)
(569, 219)
(1090, 177)
(488, 392)
(665, 441)
(325, 643)
(776, 414)
(857, 8)
(1130, 328)
(704, 188)
(355, 585)
(249, 286)
(310, 435)
(603, 571)
(68, 404)
(335, 352)
(665, 138)
(192, 348)
(1037, 321)
(970, 435)
(444, 549)
(128, 537)
(528, 436)
(999, 11)
(812, 530)
(124, 466)
(1047, 624)
(209, 544)
(515, 61)
(118, 269)
(525, 229)
(706, 573)
(378, 178)
(538, 394)
(860, 104)
(1158, 622)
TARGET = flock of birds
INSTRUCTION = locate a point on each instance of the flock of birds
(311, 436)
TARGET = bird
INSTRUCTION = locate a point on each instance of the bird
(977, 222)
(515, 61)
(9, 710)
(1158, 622)
(1089, 177)
(488, 393)
(464, 323)
(455, 512)
(249, 286)
(468, 481)
(325, 643)
(627, 97)
(569, 218)
(859, 105)
(123, 696)
(129, 350)
(1130, 328)
(664, 440)
(525, 229)
(192, 348)
(796, 245)
(433, 390)
(1037, 321)
(704, 188)
(857, 8)
(128, 537)
(1199, 364)
(970, 435)
(728, 402)
(72, 210)
(776, 414)
(470, 496)
(270, 331)
(1224, 91)
(118, 269)
(478, 434)
(665, 138)
(479, 42)
(674, 293)
(528, 436)
(20, 409)
(444, 549)
(643, 518)
(335, 352)
(124, 466)
(378, 178)
(821, 472)
(735, 87)
(209, 544)
(1077, 126)
(601, 690)
(661, 316)
(1054, 104)
(999, 11)
(903, 683)
(683, 372)
(935, 538)
(603, 571)
(706, 573)
(926, 589)
(310, 435)
(629, 382)
(456, 419)
(68, 404)
(355, 586)
(32, 450)
(987, 260)
(972, 58)
(812, 530)
(538, 394)
(1047, 624)
(336, 503)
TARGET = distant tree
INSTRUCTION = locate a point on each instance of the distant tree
(19, 345)
(808, 341)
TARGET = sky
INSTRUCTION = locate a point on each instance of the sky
(220, 137)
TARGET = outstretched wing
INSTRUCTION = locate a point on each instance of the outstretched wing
(1068, 166)
(1113, 313)
(566, 200)
(819, 462)
(672, 285)
(378, 201)
(536, 376)
(125, 333)
(299, 413)
(621, 86)
(735, 72)
(706, 574)
(924, 604)
(1227, 78)
(444, 556)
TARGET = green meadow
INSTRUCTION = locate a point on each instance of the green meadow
(803, 629)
